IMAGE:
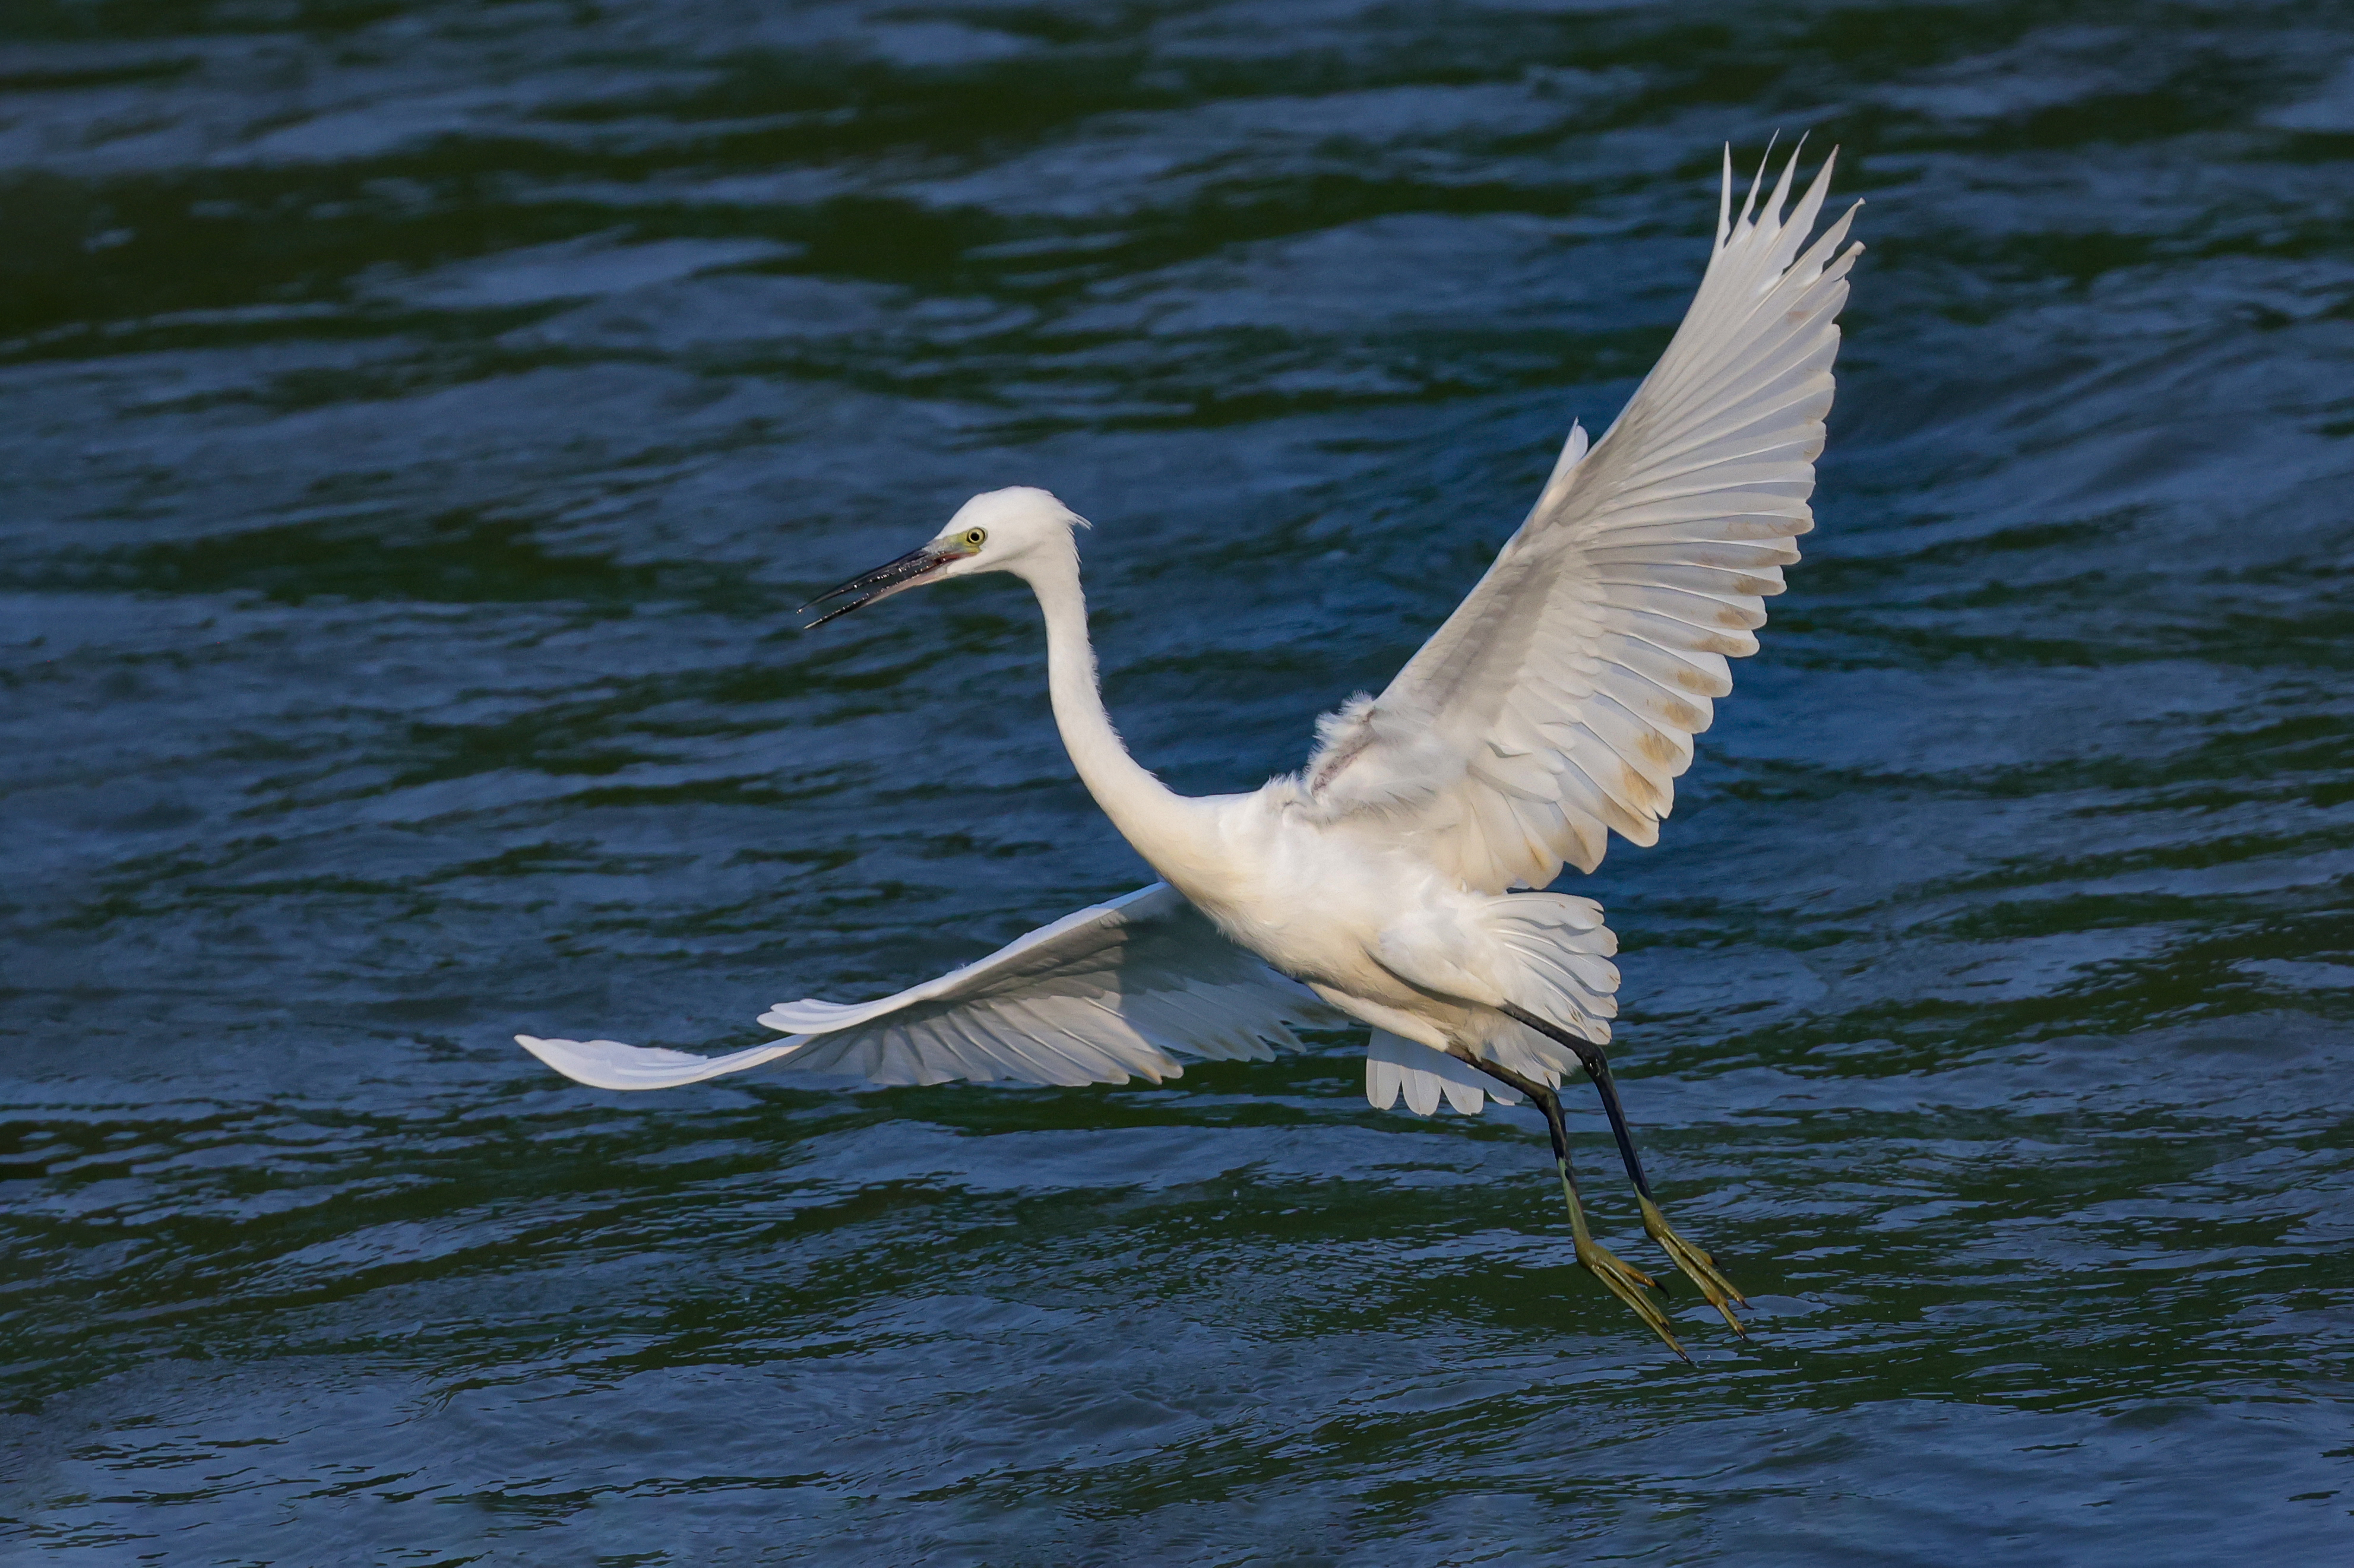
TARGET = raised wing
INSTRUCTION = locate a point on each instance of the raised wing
(1560, 699)
(1098, 997)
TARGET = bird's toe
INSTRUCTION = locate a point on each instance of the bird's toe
(1696, 1263)
(1627, 1283)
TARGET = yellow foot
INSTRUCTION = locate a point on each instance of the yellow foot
(1694, 1262)
(1627, 1283)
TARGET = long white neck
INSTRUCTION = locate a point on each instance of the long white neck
(1161, 823)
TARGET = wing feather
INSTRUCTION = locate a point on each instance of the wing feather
(1114, 991)
(1558, 702)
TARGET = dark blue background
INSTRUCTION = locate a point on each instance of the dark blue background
(417, 420)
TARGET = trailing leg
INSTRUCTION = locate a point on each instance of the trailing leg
(1621, 1278)
(1695, 1262)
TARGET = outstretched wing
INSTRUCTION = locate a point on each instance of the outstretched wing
(1560, 699)
(1098, 997)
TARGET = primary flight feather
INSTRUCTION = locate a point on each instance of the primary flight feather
(1386, 880)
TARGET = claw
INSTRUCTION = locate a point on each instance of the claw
(1695, 1263)
(1621, 1278)
(1625, 1281)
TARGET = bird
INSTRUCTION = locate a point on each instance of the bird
(1400, 880)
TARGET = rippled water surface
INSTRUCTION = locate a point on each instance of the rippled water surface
(417, 420)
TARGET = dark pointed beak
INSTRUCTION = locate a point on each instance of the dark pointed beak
(891, 576)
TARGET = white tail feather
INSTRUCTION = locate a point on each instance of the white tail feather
(1395, 1065)
(1551, 956)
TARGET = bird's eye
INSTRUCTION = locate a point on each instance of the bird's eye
(973, 537)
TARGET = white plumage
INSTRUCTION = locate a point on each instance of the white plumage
(1385, 881)
(1560, 699)
(1096, 997)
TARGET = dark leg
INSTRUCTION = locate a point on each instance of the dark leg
(1598, 1068)
(1621, 1278)
(1692, 1260)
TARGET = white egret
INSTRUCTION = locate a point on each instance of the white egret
(1387, 880)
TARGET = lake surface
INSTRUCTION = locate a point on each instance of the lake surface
(417, 422)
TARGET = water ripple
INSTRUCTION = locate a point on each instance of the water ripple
(420, 421)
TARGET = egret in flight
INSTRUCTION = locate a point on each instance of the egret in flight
(1390, 880)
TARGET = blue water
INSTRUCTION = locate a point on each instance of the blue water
(418, 421)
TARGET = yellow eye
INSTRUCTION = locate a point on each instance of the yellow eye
(973, 537)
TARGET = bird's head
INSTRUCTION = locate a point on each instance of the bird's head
(998, 531)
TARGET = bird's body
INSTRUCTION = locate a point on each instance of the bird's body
(1362, 919)
(1391, 879)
